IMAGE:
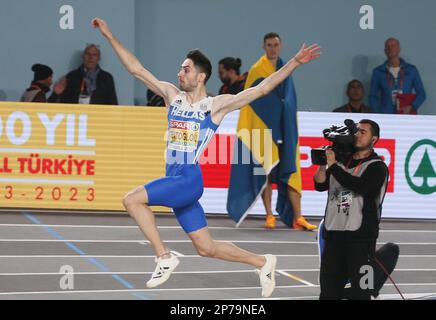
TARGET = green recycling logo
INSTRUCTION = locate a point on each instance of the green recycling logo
(421, 178)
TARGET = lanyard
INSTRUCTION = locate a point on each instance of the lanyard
(83, 86)
(356, 169)
(392, 81)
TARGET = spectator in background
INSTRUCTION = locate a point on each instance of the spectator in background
(230, 76)
(393, 78)
(272, 45)
(355, 94)
(40, 86)
(276, 112)
(89, 84)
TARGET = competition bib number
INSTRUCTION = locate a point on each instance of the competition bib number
(84, 99)
(183, 136)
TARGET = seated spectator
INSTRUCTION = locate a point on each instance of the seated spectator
(355, 94)
(42, 80)
(89, 84)
(230, 76)
(154, 100)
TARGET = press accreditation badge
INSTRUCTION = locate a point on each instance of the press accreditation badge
(395, 94)
(84, 99)
(183, 135)
(345, 200)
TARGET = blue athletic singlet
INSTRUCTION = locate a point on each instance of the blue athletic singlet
(190, 129)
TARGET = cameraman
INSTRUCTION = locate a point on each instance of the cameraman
(356, 189)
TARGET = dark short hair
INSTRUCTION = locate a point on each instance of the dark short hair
(41, 72)
(351, 83)
(271, 35)
(201, 62)
(230, 63)
(375, 128)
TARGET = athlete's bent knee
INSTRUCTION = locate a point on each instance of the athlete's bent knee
(129, 202)
(206, 251)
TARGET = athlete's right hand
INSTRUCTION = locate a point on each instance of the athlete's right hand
(102, 25)
(308, 54)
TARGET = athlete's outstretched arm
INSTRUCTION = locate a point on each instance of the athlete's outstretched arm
(227, 103)
(132, 64)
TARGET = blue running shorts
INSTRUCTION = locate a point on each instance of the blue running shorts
(180, 190)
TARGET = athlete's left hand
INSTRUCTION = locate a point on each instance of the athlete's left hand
(308, 54)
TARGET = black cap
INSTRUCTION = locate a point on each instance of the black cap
(41, 71)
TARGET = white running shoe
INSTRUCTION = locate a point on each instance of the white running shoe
(163, 271)
(267, 276)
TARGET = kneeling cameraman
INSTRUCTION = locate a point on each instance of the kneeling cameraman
(356, 189)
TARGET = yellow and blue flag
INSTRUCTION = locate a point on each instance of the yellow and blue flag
(268, 134)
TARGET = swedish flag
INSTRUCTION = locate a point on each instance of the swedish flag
(268, 133)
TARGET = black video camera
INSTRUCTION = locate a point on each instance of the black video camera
(342, 138)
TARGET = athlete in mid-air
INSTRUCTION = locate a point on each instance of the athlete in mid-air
(193, 118)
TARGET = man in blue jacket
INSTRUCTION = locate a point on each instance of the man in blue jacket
(394, 77)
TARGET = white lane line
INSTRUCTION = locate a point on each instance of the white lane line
(411, 284)
(189, 241)
(188, 289)
(293, 277)
(127, 256)
(135, 273)
(185, 256)
(143, 290)
(131, 227)
(123, 273)
(178, 227)
(284, 272)
(408, 296)
(417, 270)
(139, 240)
(177, 254)
(74, 226)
